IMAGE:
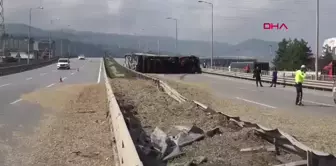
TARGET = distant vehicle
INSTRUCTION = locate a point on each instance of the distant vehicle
(63, 63)
(81, 57)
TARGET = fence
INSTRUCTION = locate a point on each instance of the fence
(310, 75)
(282, 80)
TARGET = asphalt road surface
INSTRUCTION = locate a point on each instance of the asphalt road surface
(18, 115)
(278, 98)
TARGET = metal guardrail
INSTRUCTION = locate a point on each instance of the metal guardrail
(311, 84)
(21, 68)
(275, 136)
(290, 74)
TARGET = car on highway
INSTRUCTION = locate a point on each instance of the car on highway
(63, 63)
(81, 57)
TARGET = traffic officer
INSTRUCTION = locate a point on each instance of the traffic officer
(300, 75)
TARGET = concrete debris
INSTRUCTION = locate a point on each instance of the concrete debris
(159, 140)
(169, 147)
(213, 132)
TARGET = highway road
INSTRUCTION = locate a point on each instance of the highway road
(278, 98)
(18, 115)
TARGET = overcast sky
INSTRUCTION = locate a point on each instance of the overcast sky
(234, 20)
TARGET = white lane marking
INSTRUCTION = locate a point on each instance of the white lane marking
(4, 85)
(29, 78)
(318, 103)
(42, 74)
(254, 102)
(16, 101)
(72, 73)
(100, 69)
(50, 85)
(64, 78)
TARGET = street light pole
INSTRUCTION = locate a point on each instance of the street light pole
(51, 22)
(317, 36)
(176, 34)
(62, 45)
(29, 29)
(212, 30)
(158, 46)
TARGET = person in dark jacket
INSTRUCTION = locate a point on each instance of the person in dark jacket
(274, 77)
(257, 76)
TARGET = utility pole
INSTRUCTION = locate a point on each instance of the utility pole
(2, 28)
(317, 36)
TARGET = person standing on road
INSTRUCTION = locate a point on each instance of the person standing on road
(257, 76)
(274, 77)
(300, 75)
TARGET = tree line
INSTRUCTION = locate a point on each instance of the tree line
(291, 54)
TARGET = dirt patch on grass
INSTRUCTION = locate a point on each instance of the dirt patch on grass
(320, 136)
(76, 132)
(145, 107)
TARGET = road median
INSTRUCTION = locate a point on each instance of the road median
(136, 110)
(25, 67)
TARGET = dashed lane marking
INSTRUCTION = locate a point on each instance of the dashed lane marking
(50, 85)
(16, 101)
(100, 69)
(29, 78)
(254, 102)
(4, 85)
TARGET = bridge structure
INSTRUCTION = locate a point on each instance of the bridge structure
(317, 103)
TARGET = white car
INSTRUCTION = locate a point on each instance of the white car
(81, 57)
(63, 63)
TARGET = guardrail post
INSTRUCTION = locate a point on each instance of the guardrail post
(284, 79)
(309, 158)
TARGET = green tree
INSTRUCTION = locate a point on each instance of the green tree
(291, 54)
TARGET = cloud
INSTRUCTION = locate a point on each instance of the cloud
(234, 20)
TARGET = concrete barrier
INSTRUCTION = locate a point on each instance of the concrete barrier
(21, 68)
(127, 153)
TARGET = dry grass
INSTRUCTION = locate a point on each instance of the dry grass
(316, 132)
(145, 108)
(76, 132)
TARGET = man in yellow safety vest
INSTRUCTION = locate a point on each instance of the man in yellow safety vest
(300, 75)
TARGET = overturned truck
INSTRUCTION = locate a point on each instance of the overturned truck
(151, 63)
